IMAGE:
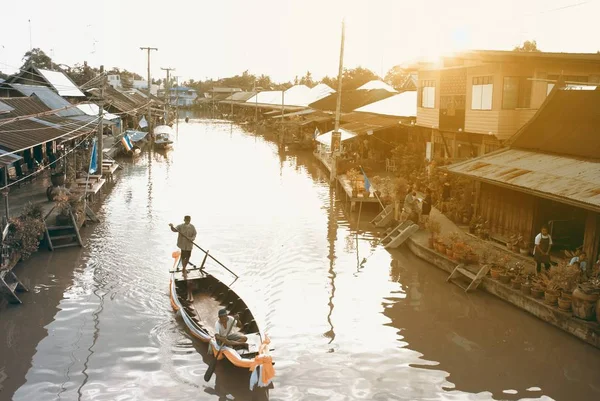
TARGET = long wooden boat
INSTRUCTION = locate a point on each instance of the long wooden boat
(163, 137)
(200, 315)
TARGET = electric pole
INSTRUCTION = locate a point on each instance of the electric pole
(168, 92)
(149, 86)
(336, 136)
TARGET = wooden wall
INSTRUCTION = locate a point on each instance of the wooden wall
(508, 212)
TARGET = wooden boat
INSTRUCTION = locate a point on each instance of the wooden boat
(132, 141)
(200, 316)
(162, 137)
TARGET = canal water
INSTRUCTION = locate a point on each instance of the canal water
(348, 320)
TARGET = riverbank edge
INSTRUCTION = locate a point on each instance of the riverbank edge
(586, 331)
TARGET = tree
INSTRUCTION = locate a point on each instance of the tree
(400, 78)
(307, 80)
(81, 74)
(528, 46)
(38, 58)
(3, 75)
(352, 78)
(329, 81)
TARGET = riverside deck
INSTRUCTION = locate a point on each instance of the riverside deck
(345, 184)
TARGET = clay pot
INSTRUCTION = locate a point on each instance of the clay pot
(564, 304)
(495, 273)
(526, 289)
(449, 252)
(537, 292)
(584, 305)
(431, 244)
(58, 178)
(551, 297)
(516, 284)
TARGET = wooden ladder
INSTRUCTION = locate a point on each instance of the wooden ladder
(60, 233)
(399, 234)
(384, 217)
(475, 278)
(10, 284)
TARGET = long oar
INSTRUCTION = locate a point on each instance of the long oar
(206, 252)
(213, 364)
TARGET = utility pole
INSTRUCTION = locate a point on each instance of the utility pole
(336, 137)
(168, 91)
(149, 86)
(100, 147)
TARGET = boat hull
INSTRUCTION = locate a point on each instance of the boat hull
(199, 317)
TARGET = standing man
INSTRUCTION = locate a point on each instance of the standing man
(541, 251)
(187, 234)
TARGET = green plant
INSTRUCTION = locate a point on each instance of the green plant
(434, 227)
(25, 231)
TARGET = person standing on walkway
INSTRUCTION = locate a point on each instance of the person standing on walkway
(541, 251)
(187, 234)
(426, 206)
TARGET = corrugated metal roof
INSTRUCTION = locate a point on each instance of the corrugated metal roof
(240, 96)
(4, 108)
(61, 83)
(401, 105)
(377, 84)
(351, 100)
(49, 98)
(568, 123)
(362, 123)
(23, 134)
(6, 160)
(91, 109)
(297, 95)
(565, 179)
(266, 97)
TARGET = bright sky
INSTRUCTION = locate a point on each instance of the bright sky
(285, 38)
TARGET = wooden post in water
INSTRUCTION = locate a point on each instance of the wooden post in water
(336, 136)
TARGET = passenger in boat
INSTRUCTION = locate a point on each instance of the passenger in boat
(187, 234)
(223, 325)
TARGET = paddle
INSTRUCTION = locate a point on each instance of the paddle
(213, 364)
(206, 252)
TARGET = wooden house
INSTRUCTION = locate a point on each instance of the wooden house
(549, 174)
(472, 102)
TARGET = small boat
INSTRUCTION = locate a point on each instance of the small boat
(131, 140)
(200, 315)
(162, 137)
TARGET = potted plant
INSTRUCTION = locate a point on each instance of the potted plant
(377, 182)
(434, 228)
(526, 285)
(352, 176)
(63, 207)
(57, 178)
(25, 231)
